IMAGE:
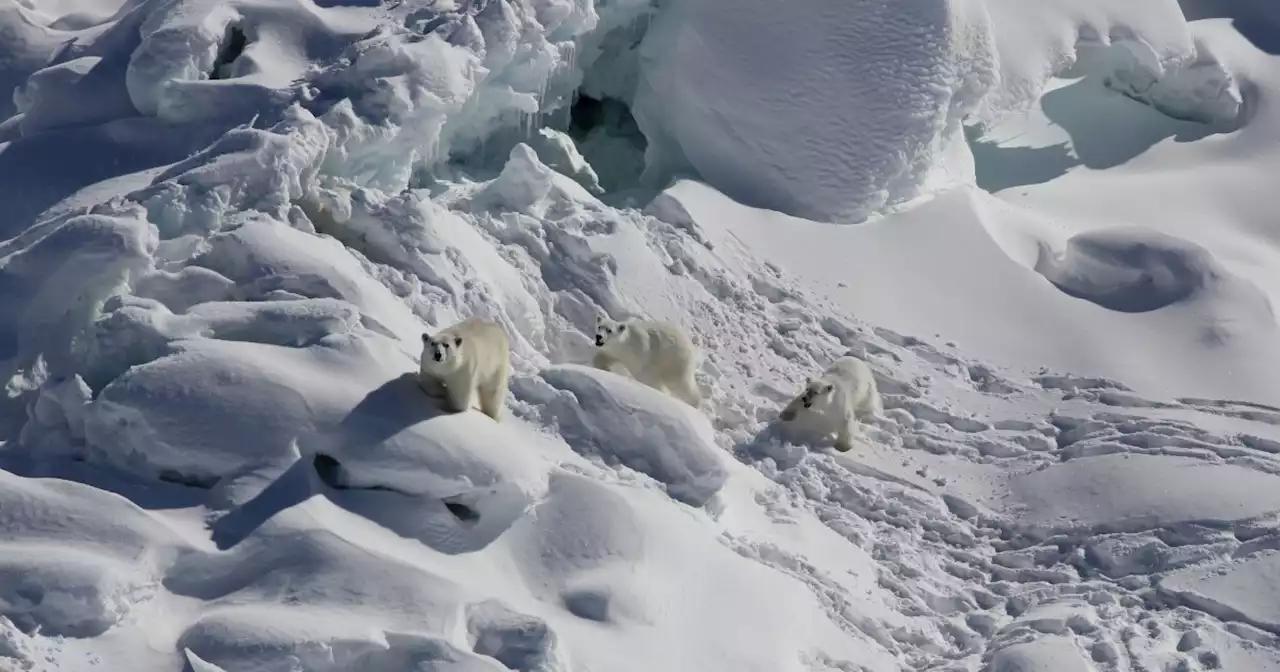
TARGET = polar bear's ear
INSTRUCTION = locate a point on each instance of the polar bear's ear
(426, 338)
(457, 342)
(622, 327)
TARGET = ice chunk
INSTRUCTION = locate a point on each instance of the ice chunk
(557, 151)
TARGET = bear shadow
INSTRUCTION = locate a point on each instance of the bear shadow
(787, 444)
(389, 409)
(778, 442)
(463, 522)
(458, 523)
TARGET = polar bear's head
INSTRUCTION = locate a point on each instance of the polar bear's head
(815, 392)
(608, 331)
(441, 350)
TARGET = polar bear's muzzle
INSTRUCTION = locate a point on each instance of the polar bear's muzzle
(599, 340)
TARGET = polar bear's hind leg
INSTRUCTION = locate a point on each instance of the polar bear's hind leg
(686, 389)
(874, 407)
(845, 435)
(493, 396)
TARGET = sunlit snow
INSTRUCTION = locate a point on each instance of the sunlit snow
(1048, 227)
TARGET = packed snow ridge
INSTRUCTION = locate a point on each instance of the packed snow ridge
(229, 224)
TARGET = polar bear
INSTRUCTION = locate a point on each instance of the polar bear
(467, 359)
(836, 400)
(656, 353)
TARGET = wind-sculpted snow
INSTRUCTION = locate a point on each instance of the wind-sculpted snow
(1087, 494)
(836, 126)
(1136, 271)
(638, 427)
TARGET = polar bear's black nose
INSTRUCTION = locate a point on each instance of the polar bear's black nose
(599, 340)
(438, 356)
(808, 403)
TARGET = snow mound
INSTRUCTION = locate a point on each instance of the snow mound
(342, 397)
(612, 559)
(826, 128)
(239, 628)
(76, 560)
(606, 414)
(1047, 654)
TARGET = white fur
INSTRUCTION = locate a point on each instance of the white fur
(478, 365)
(843, 394)
(658, 354)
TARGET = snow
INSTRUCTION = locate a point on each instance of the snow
(809, 140)
(1244, 590)
(1120, 493)
(638, 427)
(1047, 227)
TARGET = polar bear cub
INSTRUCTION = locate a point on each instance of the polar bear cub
(656, 353)
(834, 402)
(470, 358)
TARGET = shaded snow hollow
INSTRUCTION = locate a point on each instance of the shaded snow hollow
(227, 223)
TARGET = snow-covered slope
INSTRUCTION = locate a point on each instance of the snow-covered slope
(227, 223)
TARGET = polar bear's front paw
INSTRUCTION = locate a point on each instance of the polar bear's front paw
(787, 415)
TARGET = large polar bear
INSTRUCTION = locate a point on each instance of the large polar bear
(656, 353)
(834, 402)
(470, 358)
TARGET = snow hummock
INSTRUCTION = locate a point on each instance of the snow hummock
(819, 127)
(227, 224)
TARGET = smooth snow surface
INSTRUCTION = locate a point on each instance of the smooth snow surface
(1049, 228)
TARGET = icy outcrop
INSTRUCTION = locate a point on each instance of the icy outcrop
(835, 113)
(1200, 90)
(827, 112)
(1036, 41)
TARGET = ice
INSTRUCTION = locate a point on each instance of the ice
(1047, 227)
(776, 118)
(713, 76)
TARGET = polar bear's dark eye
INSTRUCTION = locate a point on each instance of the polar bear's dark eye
(457, 342)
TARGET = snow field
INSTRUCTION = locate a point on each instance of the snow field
(217, 457)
